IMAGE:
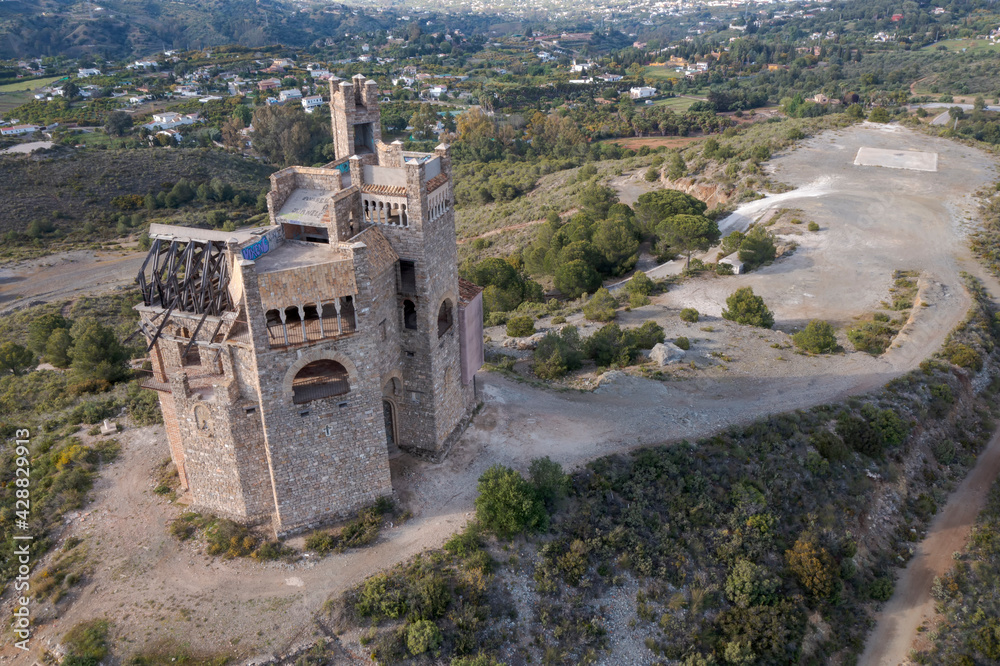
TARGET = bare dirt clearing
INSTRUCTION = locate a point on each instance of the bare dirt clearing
(635, 143)
(157, 590)
(65, 276)
(872, 221)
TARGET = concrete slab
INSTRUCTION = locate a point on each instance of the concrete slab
(896, 159)
(305, 206)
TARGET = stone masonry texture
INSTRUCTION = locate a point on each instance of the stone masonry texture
(283, 410)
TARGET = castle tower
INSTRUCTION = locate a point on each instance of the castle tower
(354, 113)
(298, 357)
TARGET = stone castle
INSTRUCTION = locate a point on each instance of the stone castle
(292, 360)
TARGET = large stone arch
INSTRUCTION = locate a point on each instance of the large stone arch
(317, 355)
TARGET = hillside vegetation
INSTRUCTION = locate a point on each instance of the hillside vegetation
(64, 190)
(770, 543)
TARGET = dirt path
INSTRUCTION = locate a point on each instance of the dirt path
(66, 275)
(911, 605)
(494, 232)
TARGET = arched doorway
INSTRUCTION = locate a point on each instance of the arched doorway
(389, 414)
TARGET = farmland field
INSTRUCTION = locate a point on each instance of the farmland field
(13, 100)
(679, 104)
(661, 72)
(32, 84)
(960, 44)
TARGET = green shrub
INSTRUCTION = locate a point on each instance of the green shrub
(830, 446)
(944, 451)
(812, 226)
(891, 428)
(380, 598)
(816, 338)
(558, 319)
(637, 300)
(745, 307)
(507, 504)
(465, 543)
(550, 483)
(86, 643)
(723, 268)
(879, 115)
(757, 248)
(859, 435)
(610, 345)
(478, 660)
(640, 284)
(942, 399)
(646, 336)
(558, 353)
(520, 326)
(601, 307)
(497, 318)
(964, 356)
(749, 584)
(690, 315)
(683, 343)
(881, 588)
(422, 636)
(872, 337)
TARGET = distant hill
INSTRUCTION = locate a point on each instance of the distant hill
(70, 187)
(125, 28)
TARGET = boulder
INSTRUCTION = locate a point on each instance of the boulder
(665, 353)
(530, 343)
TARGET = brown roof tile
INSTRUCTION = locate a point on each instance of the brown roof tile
(436, 182)
(392, 190)
(467, 291)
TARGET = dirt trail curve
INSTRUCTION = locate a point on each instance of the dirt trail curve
(912, 604)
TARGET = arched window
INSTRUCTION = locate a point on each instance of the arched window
(320, 379)
(445, 318)
(409, 315)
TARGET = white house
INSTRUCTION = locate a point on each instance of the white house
(166, 117)
(143, 64)
(319, 73)
(84, 73)
(291, 93)
(437, 91)
(610, 78)
(641, 92)
(311, 103)
(169, 120)
(581, 67)
(17, 130)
